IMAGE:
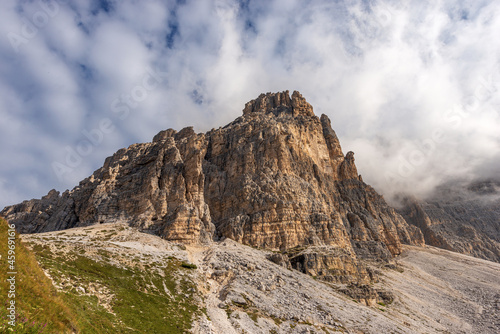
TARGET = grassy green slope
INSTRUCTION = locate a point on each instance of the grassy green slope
(106, 290)
(100, 287)
(38, 306)
(140, 302)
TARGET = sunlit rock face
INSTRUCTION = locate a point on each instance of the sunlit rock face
(275, 178)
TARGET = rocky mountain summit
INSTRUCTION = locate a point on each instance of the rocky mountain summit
(275, 178)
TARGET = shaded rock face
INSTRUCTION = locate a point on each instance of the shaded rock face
(331, 264)
(275, 178)
(50, 213)
(464, 218)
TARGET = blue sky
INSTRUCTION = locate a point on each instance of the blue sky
(412, 88)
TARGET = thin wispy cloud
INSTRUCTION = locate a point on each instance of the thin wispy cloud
(411, 88)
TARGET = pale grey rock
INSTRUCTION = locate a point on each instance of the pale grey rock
(461, 216)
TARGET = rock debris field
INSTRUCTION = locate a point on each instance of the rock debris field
(435, 291)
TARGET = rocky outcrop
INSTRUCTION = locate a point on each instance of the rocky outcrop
(157, 186)
(460, 217)
(368, 295)
(275, 178)
(331, 264)
(50, 213)
(279, 102)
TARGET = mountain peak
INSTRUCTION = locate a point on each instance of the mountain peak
(280, 102)
(278, 183)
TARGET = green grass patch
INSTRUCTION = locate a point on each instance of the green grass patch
(254, 316)
(188, 265)
(277, 321)
(143, 300)
(140, 301)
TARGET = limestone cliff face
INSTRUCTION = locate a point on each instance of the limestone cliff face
(277, 178)
(274, 178)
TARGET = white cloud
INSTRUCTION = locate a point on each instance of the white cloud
(392, 76)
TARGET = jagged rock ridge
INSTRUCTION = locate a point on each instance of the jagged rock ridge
(275, 178)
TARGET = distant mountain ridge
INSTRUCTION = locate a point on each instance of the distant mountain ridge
(461, 217)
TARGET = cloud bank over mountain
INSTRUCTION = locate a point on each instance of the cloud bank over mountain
(412, 89)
